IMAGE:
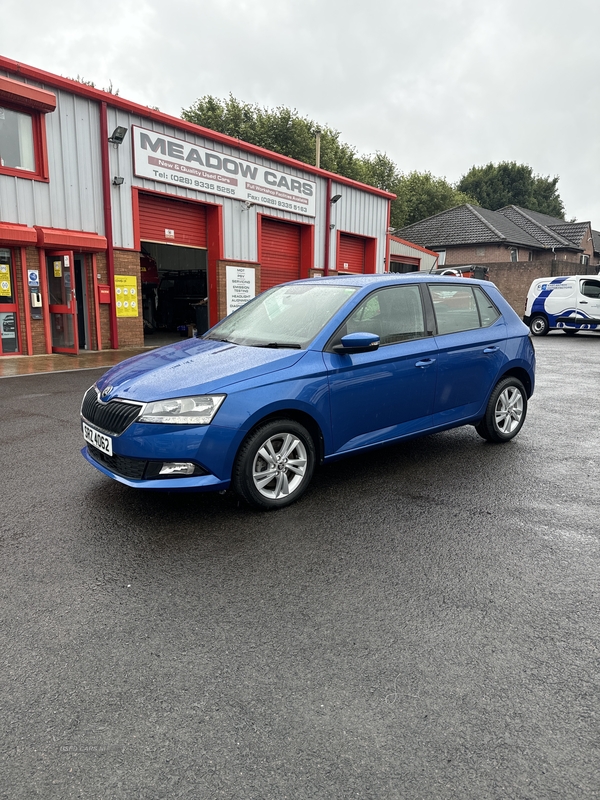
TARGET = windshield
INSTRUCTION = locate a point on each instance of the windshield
(290, 315)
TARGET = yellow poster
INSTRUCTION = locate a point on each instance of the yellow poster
(126, 295)
(57, 269)
(5, 290)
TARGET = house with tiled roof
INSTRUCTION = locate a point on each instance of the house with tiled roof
(469, 234)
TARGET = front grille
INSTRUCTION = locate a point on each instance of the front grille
(123, 465)
(113, 417)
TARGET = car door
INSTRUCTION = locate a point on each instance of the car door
(471, 339)
(381, 395)
(588, 300)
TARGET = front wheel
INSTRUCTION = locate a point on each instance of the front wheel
(505, 413)
(275, 465)
(539, 325)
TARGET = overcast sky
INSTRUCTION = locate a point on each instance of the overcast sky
(439, 85)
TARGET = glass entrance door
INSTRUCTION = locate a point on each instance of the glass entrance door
(9, 333)
(63, 305)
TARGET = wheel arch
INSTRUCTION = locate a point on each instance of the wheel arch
(522, 375)
(303, 418)
(544, 315)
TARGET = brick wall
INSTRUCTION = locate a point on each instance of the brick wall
(514, 279)
(130, 329)
(479, 254)
(500, 253)
(38, 339)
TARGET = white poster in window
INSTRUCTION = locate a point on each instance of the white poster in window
(240, 286)
(5, 289)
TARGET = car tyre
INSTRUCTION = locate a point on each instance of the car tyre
(539, 325)
(275, 465)
(505, 413)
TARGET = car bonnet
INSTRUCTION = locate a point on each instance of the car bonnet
(195, 366)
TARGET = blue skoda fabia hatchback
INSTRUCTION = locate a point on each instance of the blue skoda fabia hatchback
(306, 373)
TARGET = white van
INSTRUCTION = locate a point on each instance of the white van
(571, 303)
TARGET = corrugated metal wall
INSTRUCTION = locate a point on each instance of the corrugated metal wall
(73, 197)
(357, 212)
(239, 223)
(361, 213)
(401, 249)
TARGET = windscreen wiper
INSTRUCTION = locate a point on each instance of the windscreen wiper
(283, 345)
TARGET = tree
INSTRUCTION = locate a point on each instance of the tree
(281, 130)
(508, 183)
(284, 131)
(421, 195)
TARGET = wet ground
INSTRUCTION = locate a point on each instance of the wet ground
(424, 623)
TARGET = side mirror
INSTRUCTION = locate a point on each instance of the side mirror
(357, 343)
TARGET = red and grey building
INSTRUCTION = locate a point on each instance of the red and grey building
(118, 221)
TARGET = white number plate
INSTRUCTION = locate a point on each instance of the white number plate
(99, 440)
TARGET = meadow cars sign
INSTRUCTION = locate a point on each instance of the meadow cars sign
(179, 163)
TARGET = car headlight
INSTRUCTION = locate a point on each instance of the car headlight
(198, 410)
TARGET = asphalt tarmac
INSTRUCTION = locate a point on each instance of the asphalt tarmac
(424, 623)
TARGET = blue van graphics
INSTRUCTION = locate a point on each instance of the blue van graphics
(570, 303)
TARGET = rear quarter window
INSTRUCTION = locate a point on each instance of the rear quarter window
(488, 313)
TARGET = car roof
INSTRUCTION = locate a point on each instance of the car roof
(385, 279)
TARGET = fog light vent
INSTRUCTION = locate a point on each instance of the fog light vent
(177, 468)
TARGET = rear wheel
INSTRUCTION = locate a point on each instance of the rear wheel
(505, 413)
(538, 325)
(275, 465)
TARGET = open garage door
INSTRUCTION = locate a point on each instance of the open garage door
(173, 239)
(172, 221)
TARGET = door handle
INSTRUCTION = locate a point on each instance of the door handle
(491, 350)
(426, 362)
(583, 302)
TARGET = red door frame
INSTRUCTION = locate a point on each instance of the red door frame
(70, 308)
(12, 308)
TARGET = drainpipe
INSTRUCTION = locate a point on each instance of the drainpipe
(108, 230)
(327, 230)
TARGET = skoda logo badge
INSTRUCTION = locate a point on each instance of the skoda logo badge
(106, 391)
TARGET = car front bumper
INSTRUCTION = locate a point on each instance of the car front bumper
(143, 448)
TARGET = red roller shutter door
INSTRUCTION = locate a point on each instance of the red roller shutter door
(351, 253)
(280, 253)
(172, 221)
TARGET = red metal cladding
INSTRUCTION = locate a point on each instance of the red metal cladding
(172, 221)
(351, 254)
(280, 253)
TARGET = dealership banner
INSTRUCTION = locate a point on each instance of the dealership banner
(168, 160)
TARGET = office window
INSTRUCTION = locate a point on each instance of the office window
(16, 140)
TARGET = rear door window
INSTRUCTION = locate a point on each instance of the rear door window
(461, 308)
(455, 308)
